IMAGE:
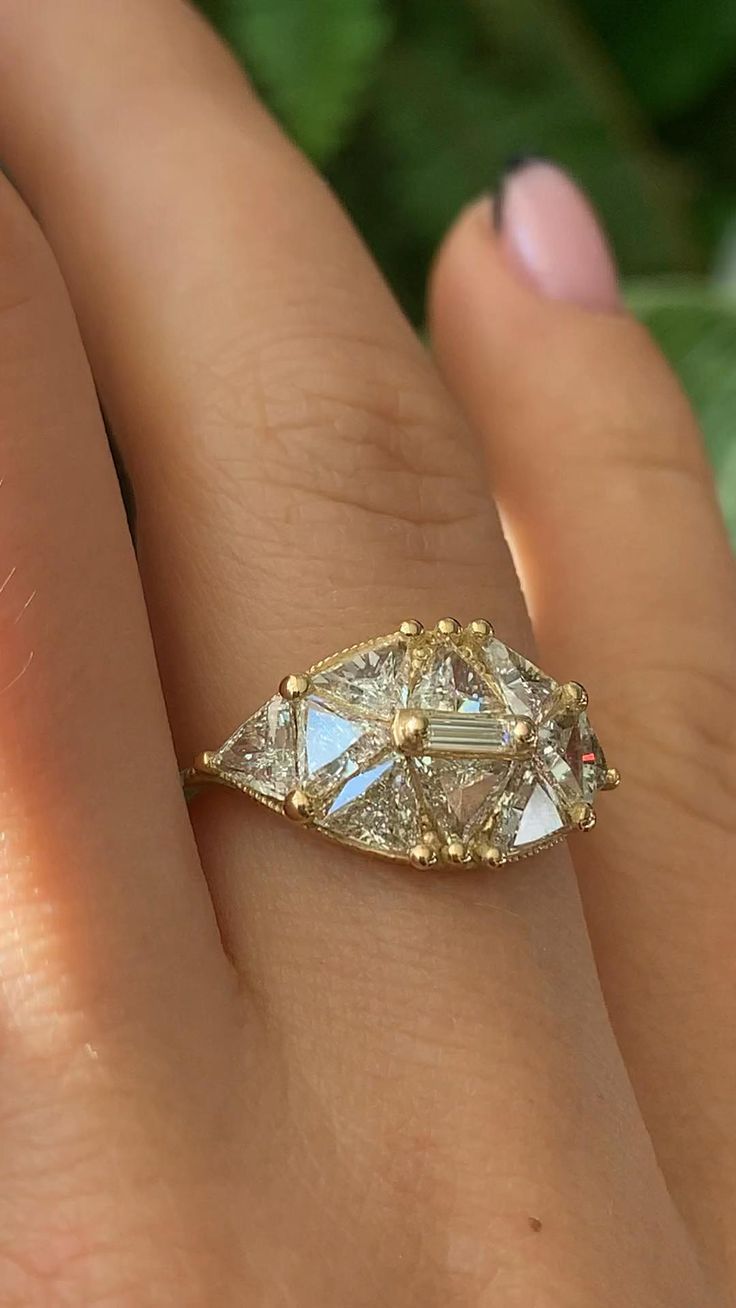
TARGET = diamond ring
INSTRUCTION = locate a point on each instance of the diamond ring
(424, 747)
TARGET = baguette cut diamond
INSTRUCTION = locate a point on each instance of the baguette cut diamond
(423, 741)
(469, 733)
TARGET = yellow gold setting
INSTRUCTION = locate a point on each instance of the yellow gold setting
(436, 747)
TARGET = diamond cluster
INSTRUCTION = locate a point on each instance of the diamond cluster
(425, 745)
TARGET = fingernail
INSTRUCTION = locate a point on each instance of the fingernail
(552, 237)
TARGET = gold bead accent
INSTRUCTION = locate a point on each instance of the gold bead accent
(297, 806)
(448, 626)
(422, 856)
(524, 731)
(479, 627)
(409, 729)
(454, 852)
(491, 855)
(575, 695)
(294, 686)
(432, 841)
(612, 779)
(583, 816)
(411, 628)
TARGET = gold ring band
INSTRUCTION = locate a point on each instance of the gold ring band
(422, 746)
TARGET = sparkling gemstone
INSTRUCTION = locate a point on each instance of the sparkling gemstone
(573, 759)
(377, 809)
(450, 683)
(262, 753)
(527, 813)
(540, 819)
(521, 685)
(333, 747)
(374, 681)
(469, 733)
(460, 792)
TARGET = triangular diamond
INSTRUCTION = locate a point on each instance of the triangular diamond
(460, 792)
(573, 759)
(449, 683)
(540, 818)
(373, 680)
(262, 753)
(522, 685)
(526, 812)
(333, 747)
(377, 809)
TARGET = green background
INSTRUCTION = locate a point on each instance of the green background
(412, 107)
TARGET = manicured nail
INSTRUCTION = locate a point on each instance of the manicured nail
(551, 235)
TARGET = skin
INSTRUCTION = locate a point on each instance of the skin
(252, 1068)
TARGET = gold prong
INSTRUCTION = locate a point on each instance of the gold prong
(479, 627)
(411, 628)
(409, 729)
(583, 816)
(491, 855)
(448, 626)
(574, 695)
(422, 856)
(297, 806)
(525, 733)
(295, 686)
(454, 852)
(432, 841)
(612, 779)
(203, 762)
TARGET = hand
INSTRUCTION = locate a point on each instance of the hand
(261, 1070)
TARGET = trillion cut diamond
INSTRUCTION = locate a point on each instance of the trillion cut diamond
(262, 753)
(450, 684)
(521, 685)
(374, 681)
(540, 819)
(573, 759)
(333, 747)
(377, 809)
(527, 813)
(460, 792)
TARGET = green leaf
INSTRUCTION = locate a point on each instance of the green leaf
(463, 87)
(311, 59)
(671, 51)
(695, 324)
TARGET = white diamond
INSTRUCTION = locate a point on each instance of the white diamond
(523, 686)
(377, 809)
(332, 747)
(526, 812)
(459, 792)
(539, 819)
(573, 759)
(262, 753)
(469, 733)
(375, 681)
(450, 684)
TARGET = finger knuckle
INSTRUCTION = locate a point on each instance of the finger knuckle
(336, 442)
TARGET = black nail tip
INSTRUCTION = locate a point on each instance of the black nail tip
(514, 164)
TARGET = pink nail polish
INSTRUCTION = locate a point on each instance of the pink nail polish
(552, 236)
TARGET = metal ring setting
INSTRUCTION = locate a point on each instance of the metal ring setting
(422, 746)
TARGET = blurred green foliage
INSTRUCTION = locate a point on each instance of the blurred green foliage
(412, 107)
